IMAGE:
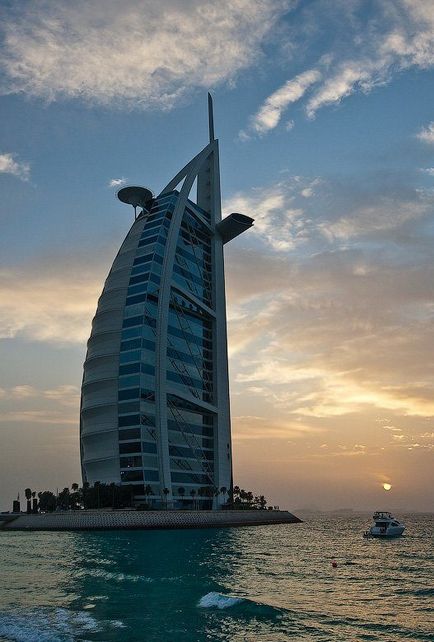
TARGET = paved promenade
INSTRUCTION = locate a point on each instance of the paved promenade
(110, 520)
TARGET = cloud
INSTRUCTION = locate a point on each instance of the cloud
(351, 76)
(398, 36)
(426, 135)
(139, 53)
(66, 395)
(22, 392)
(8, 165)
(339, 317)
(39, 417)
(28, 404)
(388, 213)
(55, 305)
(297, 211)
(250, 427)
(340, 341)
(363, 51)
(278, 211)
(269, 114)
(117, 182)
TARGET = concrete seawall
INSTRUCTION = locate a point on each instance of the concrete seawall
(144, 520)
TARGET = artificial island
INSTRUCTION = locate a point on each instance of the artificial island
(155, 413)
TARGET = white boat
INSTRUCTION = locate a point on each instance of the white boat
(385, 525)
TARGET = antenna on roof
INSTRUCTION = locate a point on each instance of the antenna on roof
(210, 118)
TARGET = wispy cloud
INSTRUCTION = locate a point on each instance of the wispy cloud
(250, 427)
(387, 214)
(28, 404)
(139, 53)
(426, 134)
(350, 76)
(9, 165)
(297, 210)
(117, 182)
(399, 35)
(55, 417)
(278, 211)
(367, 53)
(56, 306)
(270, 113)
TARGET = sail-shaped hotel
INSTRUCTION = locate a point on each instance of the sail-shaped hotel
(155, 394)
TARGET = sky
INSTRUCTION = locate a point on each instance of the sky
(324, 112)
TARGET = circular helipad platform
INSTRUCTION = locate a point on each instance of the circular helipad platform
(136, 196)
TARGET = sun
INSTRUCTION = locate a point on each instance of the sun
(387, 486)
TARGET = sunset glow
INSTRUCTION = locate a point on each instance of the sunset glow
(326, 138)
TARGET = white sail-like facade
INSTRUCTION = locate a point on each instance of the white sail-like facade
(155, 395)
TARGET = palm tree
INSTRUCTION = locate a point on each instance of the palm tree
(97, 485)
(181, 491)
(28, 494)
(47, 501)
(193, 495)
(64, 499)
(224, 492)
(239, 495)
(85, 491)
(114, 488)
(75, 498)
(206, 491)
(148, 490)
(236, 495)
(166, 491)
(214, 492)
(200, 493)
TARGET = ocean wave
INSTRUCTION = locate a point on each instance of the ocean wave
(219, 601)
(245, 607)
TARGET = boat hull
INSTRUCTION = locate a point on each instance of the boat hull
(395, 532)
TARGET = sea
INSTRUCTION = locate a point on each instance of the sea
(264, 583)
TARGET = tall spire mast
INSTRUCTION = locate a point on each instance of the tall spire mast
(210, 118)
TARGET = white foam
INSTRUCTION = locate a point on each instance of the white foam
(86, 621)
(217, 600)
(116, 577)
(45, 625)
(117, 624)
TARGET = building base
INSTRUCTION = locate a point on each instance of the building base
(145, 520)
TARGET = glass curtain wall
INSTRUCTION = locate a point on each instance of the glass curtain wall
(136, 398)
(189, 361)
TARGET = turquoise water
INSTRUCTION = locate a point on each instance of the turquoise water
(268, 583)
